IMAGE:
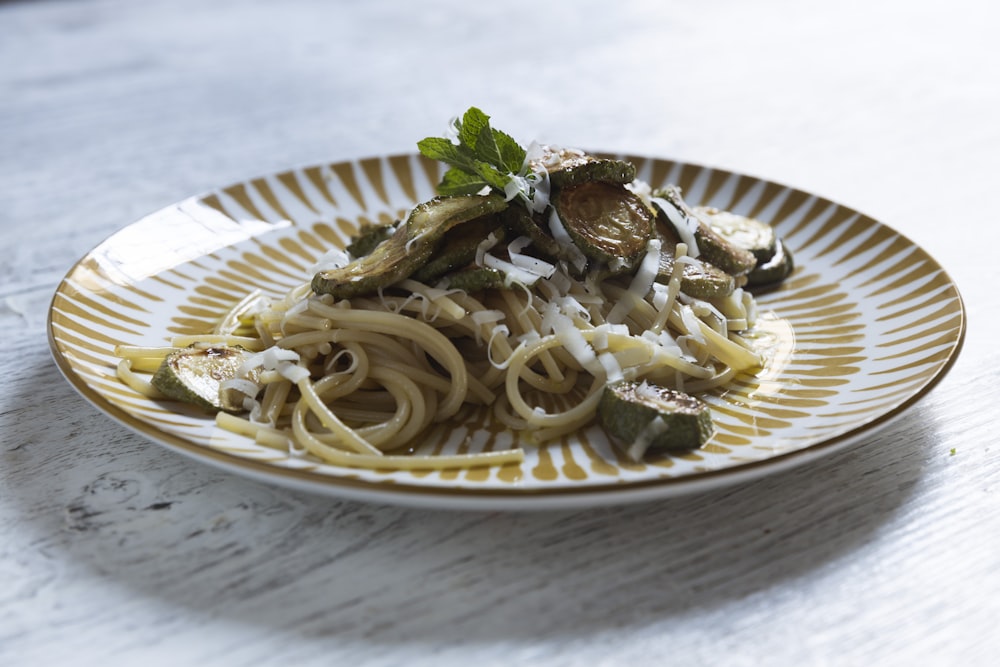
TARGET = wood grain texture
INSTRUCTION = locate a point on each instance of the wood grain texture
(114, 551)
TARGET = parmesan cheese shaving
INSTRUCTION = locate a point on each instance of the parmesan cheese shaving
(655, 428)
(481, 317)
(612, 368)
(436, 296)
(576, 257)
(684, 225)
(484, 246)
(692, 324)
(269, 359)
(241, 385)
(527, 262)
(578, 347)
(512, 274)
(641, 283)
(541, 190)
(293, 372)
(673, 288)
(501, 332)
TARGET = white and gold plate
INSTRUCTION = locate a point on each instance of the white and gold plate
(864, 328)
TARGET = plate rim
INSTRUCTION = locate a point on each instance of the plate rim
(514, 496)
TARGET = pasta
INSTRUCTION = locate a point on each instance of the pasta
(391, 366)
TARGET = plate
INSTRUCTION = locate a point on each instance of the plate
(865, 327)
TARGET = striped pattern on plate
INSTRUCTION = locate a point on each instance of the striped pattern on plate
(864, 327)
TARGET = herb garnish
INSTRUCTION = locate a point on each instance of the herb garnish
(482, 158)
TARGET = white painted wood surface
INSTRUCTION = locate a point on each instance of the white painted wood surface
(114, 551)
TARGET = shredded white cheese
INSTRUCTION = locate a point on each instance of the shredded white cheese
(481, 317)
(484, 246)
(560, 281)
(293, 372)
(692, 324)
(559, 233)
(641, 283)
(512, 274)
(527, 262)
(578, 347)
(655, 428)
(684, 225)
(612, 368)
(241, 385)
(500, 331)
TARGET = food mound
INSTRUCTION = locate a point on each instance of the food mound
(546, 286)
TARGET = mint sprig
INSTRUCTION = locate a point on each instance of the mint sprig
(483, 157)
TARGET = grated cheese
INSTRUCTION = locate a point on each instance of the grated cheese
(684, 225)
(612, 368)
(293, 372)
(527, 262)
(655, 428)
(641, 283)
(512, 274)
(559, 233)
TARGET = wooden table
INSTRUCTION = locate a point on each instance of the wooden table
(116, 551)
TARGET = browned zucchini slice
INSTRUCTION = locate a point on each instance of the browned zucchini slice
(531, 226)
(458, 247)
(368, 237)
(608, 224)
(475, 278)
(195, 375)
(644, 417)
(774, 270)
(713, 247)
(568, 167)
(743, 232)
(698, 279)
(408, 248)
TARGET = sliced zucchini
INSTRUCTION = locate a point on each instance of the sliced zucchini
(644, 417)
(698, 279)
(568, 167)
(390, 261)
(408, 248)
(608, 224)
(774, 270)
(458, 247)
(475, 278)
(712, 246)
(543, 242)
(743, 232)
(368, 237)
(195, 375)
(529, 225)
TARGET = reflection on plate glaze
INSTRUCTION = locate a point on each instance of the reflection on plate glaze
(758, 396)
(863, 328)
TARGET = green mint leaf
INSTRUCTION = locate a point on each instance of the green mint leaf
(492, 175)
(482, 157)
(511, 154)
(471, 128)
(486, 148)
(439, 148)
(458, 182)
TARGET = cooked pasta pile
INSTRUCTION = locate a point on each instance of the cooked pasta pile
(346, 380)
